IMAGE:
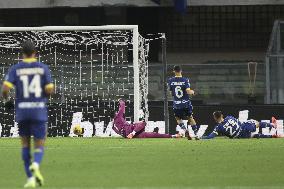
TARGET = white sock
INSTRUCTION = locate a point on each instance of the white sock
(31, 178)
(36, 165)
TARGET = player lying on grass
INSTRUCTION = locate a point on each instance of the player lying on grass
(32, 82)
(136, 130)
(232, 128)
(181, 91)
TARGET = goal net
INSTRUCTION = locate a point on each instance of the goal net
(92, 68)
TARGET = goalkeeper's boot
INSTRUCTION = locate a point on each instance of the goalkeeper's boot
(31, 183)
(34, 168)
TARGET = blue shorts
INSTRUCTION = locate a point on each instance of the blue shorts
(183, 113)
(247, 129)
(28, 128)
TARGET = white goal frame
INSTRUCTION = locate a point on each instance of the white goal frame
(135, 37)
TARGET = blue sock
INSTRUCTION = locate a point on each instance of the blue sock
(263, 125)
(38, 154)
(26, 156)
(262, 136)
(182, 126)
(195, 128)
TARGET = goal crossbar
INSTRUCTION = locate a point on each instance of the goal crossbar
(69, 28)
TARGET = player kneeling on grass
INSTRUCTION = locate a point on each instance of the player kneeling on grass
(32, 82)
(232, 128)
(136, 130)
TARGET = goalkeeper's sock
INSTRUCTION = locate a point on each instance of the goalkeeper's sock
(195, 128)
(26, 156)
(38, 155)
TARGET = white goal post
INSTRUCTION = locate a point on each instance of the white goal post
(136, 44)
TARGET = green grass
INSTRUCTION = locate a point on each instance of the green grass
(154, 163)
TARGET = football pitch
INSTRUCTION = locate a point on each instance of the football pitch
(150, 163)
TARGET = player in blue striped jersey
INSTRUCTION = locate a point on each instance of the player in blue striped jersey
(233, 128)
(181, 92)
(32, 82)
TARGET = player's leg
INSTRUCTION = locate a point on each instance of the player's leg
(193, 124)
(179, 116)
(249, 127)
(191, 120)
(181, 123)
(264, 125)
(39, 131)
(135, 129)
(155, 135)
(139, 127)
(260, 135)
(25, 133)
(119, 116)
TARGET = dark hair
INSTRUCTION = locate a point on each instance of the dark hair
(217, 114)
(177, 68)
(28, 48)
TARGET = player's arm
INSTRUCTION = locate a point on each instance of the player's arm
(116, 129)
(188, 89)
(49, 89)
(169, 84)
(49, 86)
(8, 83)
(211, 135)
(6, 87)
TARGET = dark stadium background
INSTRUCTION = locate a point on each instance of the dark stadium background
(204, 34)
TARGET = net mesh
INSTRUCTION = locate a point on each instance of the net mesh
(91, 71)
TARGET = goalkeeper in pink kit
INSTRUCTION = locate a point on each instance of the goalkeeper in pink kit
(136, 130)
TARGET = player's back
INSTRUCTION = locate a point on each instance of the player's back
(30, 78)
(230, 127)
(178, 86)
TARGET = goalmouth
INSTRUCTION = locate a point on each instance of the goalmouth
(92, 67)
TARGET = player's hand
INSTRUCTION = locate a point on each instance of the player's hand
(190, 92)
(130, 136)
